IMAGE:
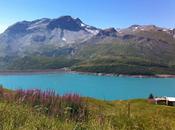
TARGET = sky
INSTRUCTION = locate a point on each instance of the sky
(99, 13)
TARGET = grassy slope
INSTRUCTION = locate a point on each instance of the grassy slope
(103, 115)
(36, 63)
(127, 58)
(18, 117)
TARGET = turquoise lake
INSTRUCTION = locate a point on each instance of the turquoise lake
(101, 87)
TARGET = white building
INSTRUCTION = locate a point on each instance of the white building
(170, 101)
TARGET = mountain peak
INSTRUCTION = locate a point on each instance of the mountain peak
(66, 18)
(65, 22)
(135, 28)
(135, 25)
(108, 32)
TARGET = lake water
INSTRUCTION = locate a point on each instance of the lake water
(101, 87)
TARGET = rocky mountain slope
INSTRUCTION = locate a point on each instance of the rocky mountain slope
(66, 41)
(26, 37)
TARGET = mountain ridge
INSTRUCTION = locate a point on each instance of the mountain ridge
(69, 42)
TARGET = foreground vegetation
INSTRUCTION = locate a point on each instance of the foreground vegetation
(37, 110)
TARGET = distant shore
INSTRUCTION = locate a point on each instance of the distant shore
(20, 72)
(127, 75)
(9, 72)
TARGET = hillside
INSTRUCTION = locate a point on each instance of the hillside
(69, 42)
(17, 114)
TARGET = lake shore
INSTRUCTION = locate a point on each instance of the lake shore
(20, 72)
(127, 75)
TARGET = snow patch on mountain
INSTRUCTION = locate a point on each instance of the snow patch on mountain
(92, 31)
(64, 39)
(83, 25)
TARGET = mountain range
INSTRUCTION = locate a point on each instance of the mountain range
(69, 42)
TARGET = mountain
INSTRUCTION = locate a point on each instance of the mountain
(69, 42)
(26, 37)
(173, 32)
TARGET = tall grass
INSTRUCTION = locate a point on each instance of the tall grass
(68, 106)
(46, 110)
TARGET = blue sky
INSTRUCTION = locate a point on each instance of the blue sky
(99, 13)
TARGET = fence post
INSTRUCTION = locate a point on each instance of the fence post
(129, 110)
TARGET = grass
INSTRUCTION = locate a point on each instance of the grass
(49, 103)
(19, 112)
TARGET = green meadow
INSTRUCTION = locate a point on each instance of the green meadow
(36, 110)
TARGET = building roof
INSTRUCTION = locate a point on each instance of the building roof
(171, 99)
(160, 98)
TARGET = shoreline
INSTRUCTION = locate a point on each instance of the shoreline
(20, 72)
(14, 72)
(127, 75)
